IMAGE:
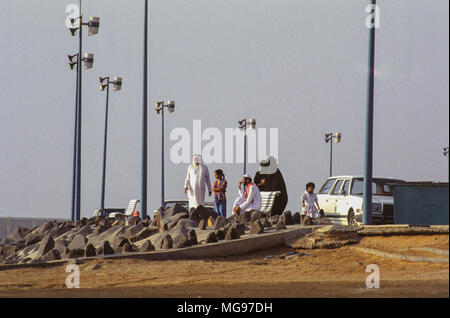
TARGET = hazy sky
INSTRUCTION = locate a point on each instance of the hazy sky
(296, 65)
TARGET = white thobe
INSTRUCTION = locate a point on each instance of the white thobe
(252, 202)
(197, 179)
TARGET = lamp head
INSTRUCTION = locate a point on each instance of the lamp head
(337, 138)
(72, 57)
(171, 106)
(88, 61)
(252, 123)
(72, 65)
(93, 25)
(73, 31)
(117, 84)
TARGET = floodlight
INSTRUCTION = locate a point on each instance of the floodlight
(251, 123)
(337, 138)
(88, 61)
(171, 106)
(93, 25)
(117, 84)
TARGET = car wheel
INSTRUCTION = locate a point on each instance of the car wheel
(351, 219)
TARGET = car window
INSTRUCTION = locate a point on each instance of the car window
(379, 187)
(357, 186)
(337, 187)
(327, 186)
(346, 186)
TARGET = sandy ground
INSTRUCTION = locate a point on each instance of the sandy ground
(319, 273)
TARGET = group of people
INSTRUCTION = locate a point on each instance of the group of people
(198, 180)
(268, 178)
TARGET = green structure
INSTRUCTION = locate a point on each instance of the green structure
(421, 203)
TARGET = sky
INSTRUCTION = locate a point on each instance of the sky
(296, 65)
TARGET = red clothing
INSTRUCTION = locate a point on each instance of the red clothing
(220, 186)
(248, 189)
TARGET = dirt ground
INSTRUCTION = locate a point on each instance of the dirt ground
(318, 273)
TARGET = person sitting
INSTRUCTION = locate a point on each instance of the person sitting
(249, 196)
(270, 178)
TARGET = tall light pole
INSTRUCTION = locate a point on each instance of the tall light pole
(159, 107)
(73, 60)
(329, 138)
(368, 151)
(243, 124)
(144, 120)
(117, 85)
(93, 25)
(445, 152)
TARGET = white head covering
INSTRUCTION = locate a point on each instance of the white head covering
(268, 166)
(247, 176)
(197, 159)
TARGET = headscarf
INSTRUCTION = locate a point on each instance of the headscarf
(268, 166)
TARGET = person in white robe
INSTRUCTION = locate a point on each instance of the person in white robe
(196, 182)
(249, 196)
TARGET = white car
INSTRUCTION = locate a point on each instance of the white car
(341, 200)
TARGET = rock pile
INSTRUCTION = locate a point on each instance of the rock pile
(174, 227)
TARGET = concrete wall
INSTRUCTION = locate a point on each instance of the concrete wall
(8, 224)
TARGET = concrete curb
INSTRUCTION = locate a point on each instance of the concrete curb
(400, 229)
(428, 249)
(402, 257)
(248, 244)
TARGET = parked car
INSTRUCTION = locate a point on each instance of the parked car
(341, 199)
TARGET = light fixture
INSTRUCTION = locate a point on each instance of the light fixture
(117, 83)
(72, 65)
(73, 60)
(72, 57)
(171, 106)
(337, 138)
(93, 25)
(252, 123)
(88, 61)
(73, 31)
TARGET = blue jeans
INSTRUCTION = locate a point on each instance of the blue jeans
(221, 207)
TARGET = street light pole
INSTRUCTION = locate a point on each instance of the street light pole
(251, 123)
(331, 158)
(102, 200)
(159, 107)
(94, 23)
(79, 65)
(144, 121)
(368, 152)
(445, 152)
(245, 150)
(329, 139)
(162, 156)
(75, 142)
(105, 83)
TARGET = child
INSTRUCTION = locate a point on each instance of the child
(219, 189)
(309, 202)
